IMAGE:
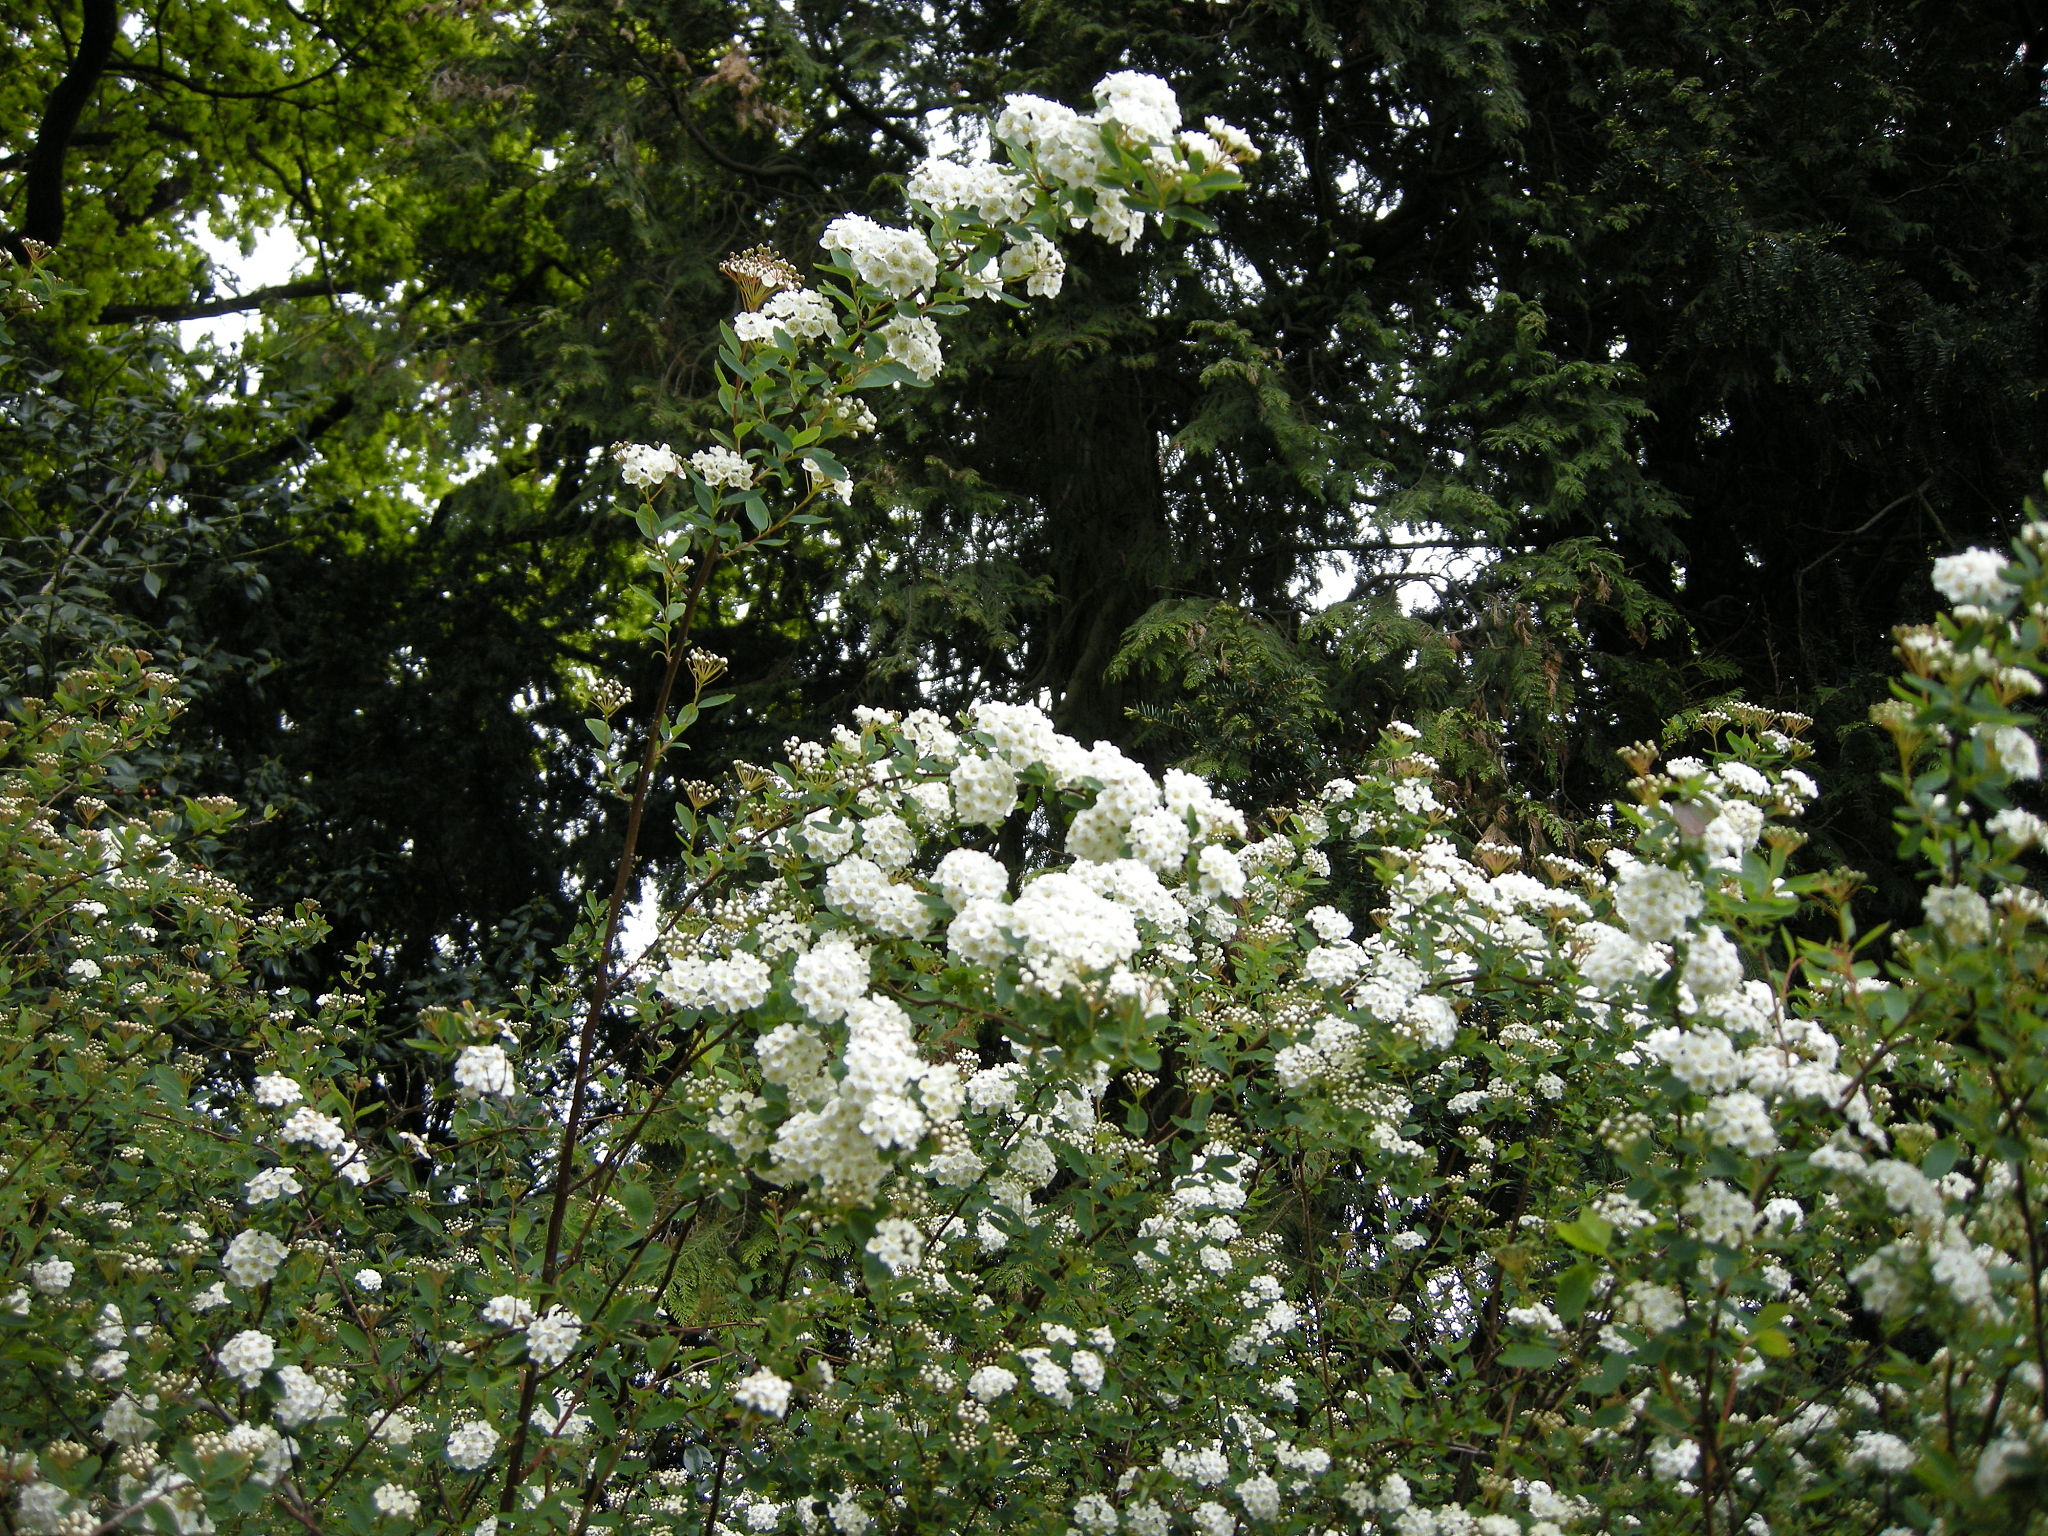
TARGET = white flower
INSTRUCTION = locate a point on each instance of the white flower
(1212, 1519)
(1881, 1452)
(564, 1423)
(215, 1295)
(1236, 143)
(897, 1244)
(127, 1423)
(484, 1070)
(274, 1090)
(110, 1365)
(1260, 1496)
(1672, 1459)
(305, 1398)
(887, 841)
(839, 488)
(309, 1127)
(848, 1518)
(471, 1445)
(1651, 1308)
(396, 1503)
(42, 1509)
(1218, 873)
(1159, 838)
(51, 1276)
(2012, 751)
(990, 1383)
(247, 1356)
(83, 970)
(720, 466)
(1048, 1377)
(1067, 931)
(1142, 105)
(793, 1057)
(764, 1392)
(1722, 1215)
(1958, 914)
(507, 1312)
(273, 1184)
(1701, 1059)
(1712, 962)
(899, 262)
(1205, 1467)
(914, 342)
(728, 984)
(968, 874)
(368, 1280)
(551, 1338)
(2023, 828)
(1329, 924)
(1656, 901)
(1741, 1121)
(1038, 262)
(1974, 576)
(984, 790)
(252, 1258)
(646, 464)
(1088, 1369)
(1095, 1514)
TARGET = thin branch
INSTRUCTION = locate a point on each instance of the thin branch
(914, 142)
(133, 70)
(307, 288)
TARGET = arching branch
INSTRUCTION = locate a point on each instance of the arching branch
(43, 182)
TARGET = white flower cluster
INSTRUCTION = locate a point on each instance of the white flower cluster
(900, 262)
(471, 1445)
(646, 465)
(994, 194)
(727, 984)
(803, 314)
(718, 466)
(764, 1392)
(484, 1071)
(1975, 576)
(1066, 149)
(914, 342)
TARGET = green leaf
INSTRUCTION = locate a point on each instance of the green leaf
(1772, 1342)
(1574, 1289)
(599, 731)
(1613, 1370)
(1589, 1234)
(639, 1204)
(1529, 1357)
(828, 466)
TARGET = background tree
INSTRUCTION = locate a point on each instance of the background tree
(1683, 332)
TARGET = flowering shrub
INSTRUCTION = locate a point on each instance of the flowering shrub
(1067, 1159)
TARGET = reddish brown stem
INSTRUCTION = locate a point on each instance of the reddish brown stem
(600, 993)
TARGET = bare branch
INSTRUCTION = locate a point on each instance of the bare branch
(309, 288)
(878, 120)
